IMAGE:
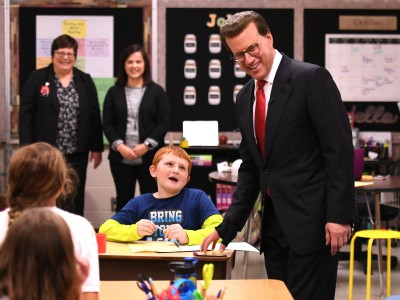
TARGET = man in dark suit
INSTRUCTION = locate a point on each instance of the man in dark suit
(303, 168)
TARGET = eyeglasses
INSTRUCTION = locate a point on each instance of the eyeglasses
(253, 50)
(62, 54)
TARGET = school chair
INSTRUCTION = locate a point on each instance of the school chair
(372, 235)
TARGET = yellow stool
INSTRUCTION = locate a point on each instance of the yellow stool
(372, 235)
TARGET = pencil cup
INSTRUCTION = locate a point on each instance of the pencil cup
(101, 242)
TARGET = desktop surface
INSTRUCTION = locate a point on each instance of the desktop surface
(120, 263)
(235, 289)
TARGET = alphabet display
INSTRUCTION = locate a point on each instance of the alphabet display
(201, 80)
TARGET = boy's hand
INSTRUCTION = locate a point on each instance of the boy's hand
(146, 227)
(176, 231)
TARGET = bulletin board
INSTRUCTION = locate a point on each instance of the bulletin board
(371, 111)
(94, 35)
(201, 80)
(127, 29)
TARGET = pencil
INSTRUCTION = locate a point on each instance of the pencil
(222, 294)
(153, 288)
(203, 290)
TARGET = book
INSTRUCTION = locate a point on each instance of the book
(201, 159)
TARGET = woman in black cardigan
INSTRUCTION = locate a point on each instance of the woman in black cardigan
(59, 106)
(135, 120)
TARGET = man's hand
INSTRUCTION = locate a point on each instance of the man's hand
(96, 157)
(337, 236)
(211, 238)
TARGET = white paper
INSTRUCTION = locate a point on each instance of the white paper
(238, 246)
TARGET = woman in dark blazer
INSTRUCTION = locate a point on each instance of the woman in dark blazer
(59, 105)
(135, 121)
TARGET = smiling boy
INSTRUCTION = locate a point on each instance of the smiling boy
(173, 212)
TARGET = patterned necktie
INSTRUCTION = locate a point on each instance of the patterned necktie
(260, 117)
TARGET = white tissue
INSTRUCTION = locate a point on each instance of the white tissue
(223, 167)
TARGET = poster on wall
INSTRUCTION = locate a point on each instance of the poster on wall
(202, 82)
(365, 67)
(95, 37)
(101, 33)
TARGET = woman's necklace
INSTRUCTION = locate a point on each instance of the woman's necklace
(133, 106)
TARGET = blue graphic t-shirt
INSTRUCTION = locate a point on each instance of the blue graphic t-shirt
(190, 208)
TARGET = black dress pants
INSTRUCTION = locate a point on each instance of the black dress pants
(125, 177)
(308, 277)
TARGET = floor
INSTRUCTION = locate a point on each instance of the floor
(256, 270)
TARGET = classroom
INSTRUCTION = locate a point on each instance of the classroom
(195, 81)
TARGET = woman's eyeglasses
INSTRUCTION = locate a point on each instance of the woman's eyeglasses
(62, 54)
(253, 50)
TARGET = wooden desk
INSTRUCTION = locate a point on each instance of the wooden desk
(119, 263)
(391, 184)
(236, 289)
(222, 178)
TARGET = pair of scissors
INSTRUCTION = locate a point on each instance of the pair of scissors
(144, 285)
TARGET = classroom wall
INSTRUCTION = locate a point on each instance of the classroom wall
(100, 187)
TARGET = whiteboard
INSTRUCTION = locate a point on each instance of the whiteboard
(365, 67)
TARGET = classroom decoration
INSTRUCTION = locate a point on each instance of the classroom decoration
(201, 80)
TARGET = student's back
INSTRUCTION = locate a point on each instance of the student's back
(38, 177)
(37, 259)
(83, 237)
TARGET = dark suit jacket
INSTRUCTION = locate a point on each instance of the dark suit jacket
(308, 164)
(38, 116)
(153, 118)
